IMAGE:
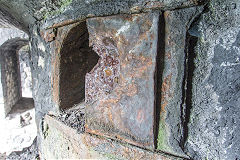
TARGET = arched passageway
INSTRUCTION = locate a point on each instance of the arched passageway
(10, 74)
(17, 105)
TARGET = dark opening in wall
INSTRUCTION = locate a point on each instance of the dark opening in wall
(77, 59)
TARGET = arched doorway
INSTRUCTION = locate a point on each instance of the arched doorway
(18, 128)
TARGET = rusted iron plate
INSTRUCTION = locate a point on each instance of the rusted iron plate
(48, 35)
(104, 76)
(120, 88)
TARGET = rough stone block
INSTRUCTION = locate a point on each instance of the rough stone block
(172, 57)
(215, 115)
(62, 142)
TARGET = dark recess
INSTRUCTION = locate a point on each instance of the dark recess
(77, 59)
(158, 75)
(191, 40)
(189, 67)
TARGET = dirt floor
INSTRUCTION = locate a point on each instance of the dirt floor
(18, 129)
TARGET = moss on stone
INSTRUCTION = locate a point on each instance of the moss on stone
(60, 5)
(162, 143)
(110, 156)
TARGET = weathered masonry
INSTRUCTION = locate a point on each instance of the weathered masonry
(129, 85)
(118, 77)
(13, 84)
(135, 79)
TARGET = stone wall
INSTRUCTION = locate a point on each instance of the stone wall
(180, 79)
(182, 92)
(7, 20)
(215, 95)
(10, 75)
(25, 71)
(7, 34)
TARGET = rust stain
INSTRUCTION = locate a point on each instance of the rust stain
(132, 90)
(113, 93)
(168, 55)
(56, 48)
(166, 93)
(136, 9)
(108, 72)
(64, 23)
(101, 80)
(196, 2)
(140, 115)
(128, 17)
(141, 65)
(138, 64)
(110, 117)
(167, 14)
(154, 5)
(87, 145)
(127, 152)
(116, 136)
(55, 74)
(48, 35)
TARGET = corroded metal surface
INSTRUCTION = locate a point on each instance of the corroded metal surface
(48, 35)
(121, 87)
(104, 76)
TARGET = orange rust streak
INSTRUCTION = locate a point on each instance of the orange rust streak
(154, 4)
(166, 91)
(108, 72)
(140, 116)
(132, 90)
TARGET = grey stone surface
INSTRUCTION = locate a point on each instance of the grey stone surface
(18, 13)
(9, 33)
(41, 73)
(97, 8)
(10, 75)
(28, 153)
(172, 61)
(25, 71)
(209, 97)
(6, 34)
(74, 118)
(22, 13)
(214, 119)
(7, 20)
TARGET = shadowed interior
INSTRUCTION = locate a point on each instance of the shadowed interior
(77, 59)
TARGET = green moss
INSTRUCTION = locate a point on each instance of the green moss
(110, 156)
(60, 5)
(45, 131)
(162, 138)
(104, 154)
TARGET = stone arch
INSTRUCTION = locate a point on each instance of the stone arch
(10, 75)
